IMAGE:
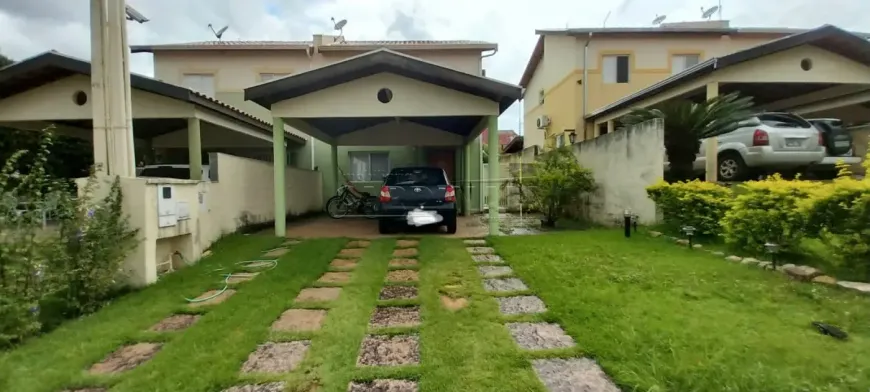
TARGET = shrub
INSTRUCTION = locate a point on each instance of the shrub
(693, 203)
(839, 214)
(769, 211)
(555, 183)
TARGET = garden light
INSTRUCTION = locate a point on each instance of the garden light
(634, 219)
(626, 222)
(690, 231)
(772, 249)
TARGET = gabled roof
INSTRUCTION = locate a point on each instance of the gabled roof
(303, 45)
(676, 30)
(827, 37)
(52, 66)
(378, 61)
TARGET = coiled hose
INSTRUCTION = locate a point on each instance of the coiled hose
(245, 264)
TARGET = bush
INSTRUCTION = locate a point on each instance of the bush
(555, 183)
(693, 203)
(74, 268)
(769, 211)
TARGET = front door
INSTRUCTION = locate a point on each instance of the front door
(443, 158)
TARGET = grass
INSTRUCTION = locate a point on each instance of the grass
(658, 317)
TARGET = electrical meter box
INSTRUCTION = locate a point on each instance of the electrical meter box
(167, 206)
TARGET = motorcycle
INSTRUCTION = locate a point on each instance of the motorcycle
(348, 199)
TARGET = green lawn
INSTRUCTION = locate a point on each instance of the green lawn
(466, 350)
(663, 318)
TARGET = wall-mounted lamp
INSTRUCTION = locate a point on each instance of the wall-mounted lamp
(690, 232)
(572, 137)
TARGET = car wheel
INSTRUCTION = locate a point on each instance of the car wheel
(385, 226)
(450, 223)
(731, 167)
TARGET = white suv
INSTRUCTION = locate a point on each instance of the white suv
(768, 141)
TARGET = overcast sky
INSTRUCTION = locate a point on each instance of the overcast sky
(30, 27)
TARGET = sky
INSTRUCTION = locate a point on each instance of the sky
(31, 27)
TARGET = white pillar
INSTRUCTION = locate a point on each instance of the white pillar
(712, 151)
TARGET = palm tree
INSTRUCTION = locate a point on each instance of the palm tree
(687, 122)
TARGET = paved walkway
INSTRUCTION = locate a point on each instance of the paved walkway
(325, 227)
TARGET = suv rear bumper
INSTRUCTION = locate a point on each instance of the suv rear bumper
(398, 212)
(767, 157)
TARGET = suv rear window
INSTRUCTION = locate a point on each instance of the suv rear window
(416, 176)
(783, 120)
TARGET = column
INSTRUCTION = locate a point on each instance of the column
(466, 178)
(493, 180)
(336, 181)
(712, 151)
(194, 148)
(611, 126)
(279, 165)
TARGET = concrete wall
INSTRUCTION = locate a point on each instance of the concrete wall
(623, 163)
(243, 194)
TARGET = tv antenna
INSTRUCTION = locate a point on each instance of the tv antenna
(218, 34)
(339, 26)
(706, 14)
(604, 24)
(659, 19)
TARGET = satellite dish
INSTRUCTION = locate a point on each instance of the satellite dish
(708, 13)
(659, 19)
(218, 34)
(339, 26)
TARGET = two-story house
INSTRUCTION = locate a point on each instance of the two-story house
(224, 69)
(572, 72)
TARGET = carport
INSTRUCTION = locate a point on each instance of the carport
(386, 98)
(823, 72)
(52, 88)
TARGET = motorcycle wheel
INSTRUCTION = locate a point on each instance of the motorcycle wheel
(336, 208)
(371, 207)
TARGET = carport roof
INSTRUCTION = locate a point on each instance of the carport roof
(827, 37)
(378, 61)
(52, 66)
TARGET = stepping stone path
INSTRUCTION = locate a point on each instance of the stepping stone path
(395, 316)
(213, 298)
(268, 387)
(397, 292)
(344, 263)
(318, 294)
(398, 263)
(273, 357)
(335, 277)
(382, 350)
(407, 243)
(126, 358)
(176, 322)
(300, 320)
(358, 244)
(405, 252)
(557, 374)
(277, 252)
(504, 285)
(352, 252)
(383, 386)
(402, 276)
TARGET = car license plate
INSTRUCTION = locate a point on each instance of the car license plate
(793, 142)
(842, 144)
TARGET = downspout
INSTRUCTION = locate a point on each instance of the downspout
(585, 83)
(310, 138)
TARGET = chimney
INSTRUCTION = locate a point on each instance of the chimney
(324, 39)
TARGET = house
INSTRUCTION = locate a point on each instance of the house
(621, 62)
(504, 137)
(225, 69)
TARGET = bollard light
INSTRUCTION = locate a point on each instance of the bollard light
(690, 232)
(772, 249)
(634, 219)
(626, 222)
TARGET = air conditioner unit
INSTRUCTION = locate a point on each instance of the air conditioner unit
(543, 122)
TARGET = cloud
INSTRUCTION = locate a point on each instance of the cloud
(34, 26)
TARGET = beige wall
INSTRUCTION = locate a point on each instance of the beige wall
(561, 70)
(243, 193)
(623, 164)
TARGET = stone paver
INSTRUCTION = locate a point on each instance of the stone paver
(241, 277)
(214, 297)
(277, 252)
(403, 263)
(857, 286)
(402, 276)
(480, 250)
(383, 386)
(176, 322)
(493, 271)
(267, 387)
(317, 294)
(487, 259)
(524, 304)
(572, 375)
(300, 320)
(395, 316)
(405, 252)
(276, 357)
(539, 336)
(381, 350)
(343, 263)
(358, 244)
(126, 358)
(475, 242)
(407, 243)
(504, 285)
(335, 277)
(354, 252)
(397, 292)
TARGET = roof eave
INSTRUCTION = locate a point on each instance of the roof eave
(534, 60)
(369, 47)
(183, 48)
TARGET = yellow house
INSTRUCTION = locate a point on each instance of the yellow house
(621, 61)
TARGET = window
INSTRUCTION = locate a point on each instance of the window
(682, 62)
(541, 97)
(615, 69)
(417, 176)
(203, 83)
(369, 166)
(266, 77)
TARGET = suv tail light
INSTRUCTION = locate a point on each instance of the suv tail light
(760, 138)
(385, 194)
(450, 194)
(821, 138)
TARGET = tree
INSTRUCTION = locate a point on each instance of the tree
(687, 122)
(4, 61)
(554, 184)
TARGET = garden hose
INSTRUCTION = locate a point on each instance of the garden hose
(246, 263)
